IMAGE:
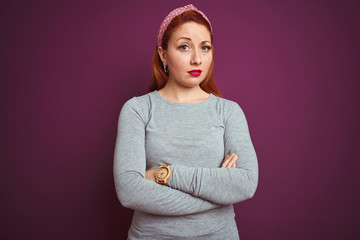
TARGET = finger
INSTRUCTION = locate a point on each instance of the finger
(233, 165)
(226, 160)
(232, 161)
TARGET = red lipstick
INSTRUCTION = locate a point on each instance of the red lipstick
(195, 72)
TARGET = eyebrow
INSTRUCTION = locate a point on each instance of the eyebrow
(186, 38)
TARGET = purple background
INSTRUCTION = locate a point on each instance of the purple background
(67, 67)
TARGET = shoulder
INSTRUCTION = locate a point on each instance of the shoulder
(227, 107)
(137, 105)
(138, 101)
(226, 103)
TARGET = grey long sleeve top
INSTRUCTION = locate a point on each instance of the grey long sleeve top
(193, 138)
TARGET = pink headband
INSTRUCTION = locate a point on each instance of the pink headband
(172, 15)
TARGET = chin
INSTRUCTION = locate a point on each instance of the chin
(192, 84)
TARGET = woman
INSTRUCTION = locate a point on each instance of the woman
(183, 154)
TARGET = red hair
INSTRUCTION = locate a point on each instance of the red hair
(159, 77)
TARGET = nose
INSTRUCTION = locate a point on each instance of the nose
(196, 59)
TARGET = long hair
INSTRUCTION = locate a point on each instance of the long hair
(159, 77)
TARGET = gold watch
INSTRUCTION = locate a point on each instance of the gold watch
(162, 174)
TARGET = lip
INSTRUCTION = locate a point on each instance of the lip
(195, 72)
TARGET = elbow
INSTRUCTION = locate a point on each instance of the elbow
(125, 193)
(126, 201)
(252, 186)
(248, 188)
(127, 198)
(123, 197)
(244, 192)
(251, 190)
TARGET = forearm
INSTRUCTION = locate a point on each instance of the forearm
(135, 192)
(219, 185)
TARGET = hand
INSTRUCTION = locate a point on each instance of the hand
(150, 174)
(229, 161)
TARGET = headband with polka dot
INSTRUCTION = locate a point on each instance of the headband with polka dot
(172, 15)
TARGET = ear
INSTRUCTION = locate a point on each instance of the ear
(162, 54)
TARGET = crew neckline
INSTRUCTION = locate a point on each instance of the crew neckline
(182, 104)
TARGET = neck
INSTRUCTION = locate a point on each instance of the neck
(181, 94)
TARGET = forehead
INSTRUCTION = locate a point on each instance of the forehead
(192, 30)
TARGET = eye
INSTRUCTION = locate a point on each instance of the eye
(184, 47)
(206, 48)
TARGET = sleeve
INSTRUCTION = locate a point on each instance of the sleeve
(133, 190)
(223, 185)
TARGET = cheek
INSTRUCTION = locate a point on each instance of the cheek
(208, 61)
(180, 63)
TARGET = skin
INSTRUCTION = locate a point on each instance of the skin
(189, 48)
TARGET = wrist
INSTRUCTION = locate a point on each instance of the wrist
(162, 174)
(150, 175)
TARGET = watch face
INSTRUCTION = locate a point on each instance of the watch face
(162, 173)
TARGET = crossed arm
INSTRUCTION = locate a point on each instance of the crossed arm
(229, 162)
(191, 189)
